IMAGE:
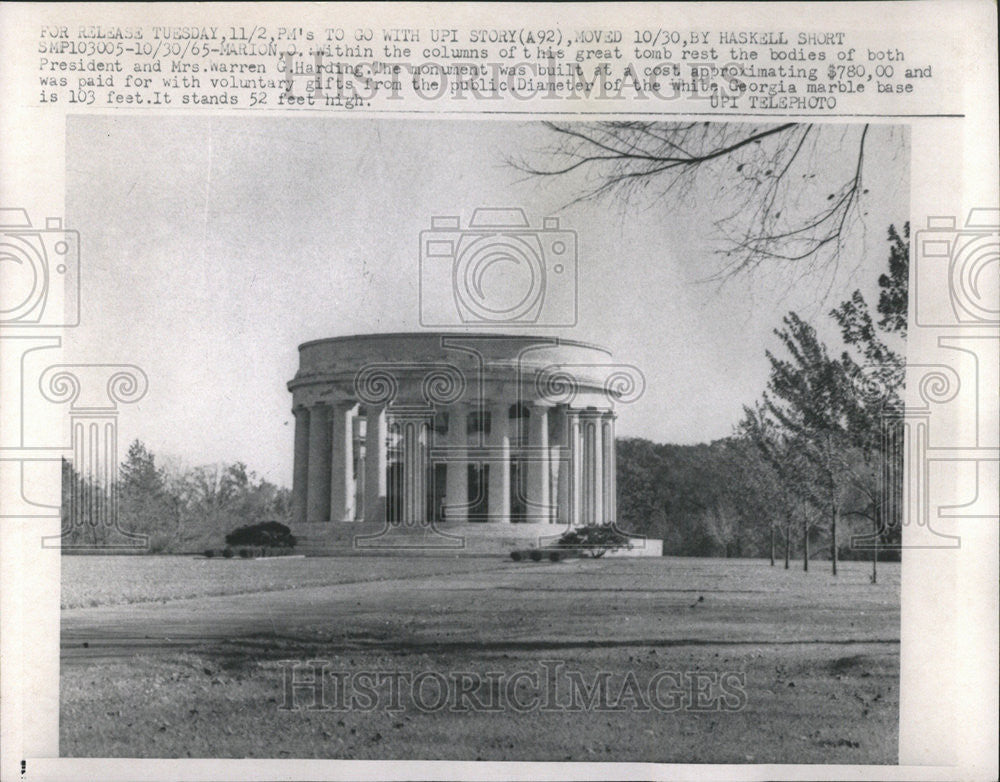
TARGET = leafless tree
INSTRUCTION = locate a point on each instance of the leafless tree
(787, 194)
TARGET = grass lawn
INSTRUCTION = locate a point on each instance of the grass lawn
(116, 580)
(812, 661)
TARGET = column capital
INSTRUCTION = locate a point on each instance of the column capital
(93, 388)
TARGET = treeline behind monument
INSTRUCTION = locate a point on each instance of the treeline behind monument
(814, 468)
(160, 509)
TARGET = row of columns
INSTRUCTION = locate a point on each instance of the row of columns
(322, 481)
(570, 480)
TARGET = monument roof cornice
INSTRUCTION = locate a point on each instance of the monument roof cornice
(527, 339)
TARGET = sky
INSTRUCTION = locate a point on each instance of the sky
(211, 247)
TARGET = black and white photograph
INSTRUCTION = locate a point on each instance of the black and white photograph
(491, 441)
(554, 439)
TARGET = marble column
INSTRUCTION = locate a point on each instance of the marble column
(499, 488)
(575, 467)
(457, 466)
(318, 487)
(300, 470)
(593, 468)
(358, 508)
(586, 470)
(597, 471)
(538, 506)
(376, 458)
(561, 464)
(342, 463)
(610, 490)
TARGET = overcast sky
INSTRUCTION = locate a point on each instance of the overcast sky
(212, 247)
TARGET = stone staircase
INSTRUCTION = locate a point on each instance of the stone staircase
(343, 538)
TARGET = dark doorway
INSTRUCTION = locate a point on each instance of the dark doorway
(394, 500)
(437, 483)
(479, 480)
(518, 491)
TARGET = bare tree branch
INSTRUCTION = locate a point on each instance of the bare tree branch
(793, 190)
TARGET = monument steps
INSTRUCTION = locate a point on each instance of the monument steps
(439, 539)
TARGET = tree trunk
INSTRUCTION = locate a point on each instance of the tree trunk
(805, 544)
(788, 542)
(833, 538)
(772, 545)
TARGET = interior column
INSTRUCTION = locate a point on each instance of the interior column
(376, 458)
(358, 505)
(342, 463)
(457, 465)
(538, 464)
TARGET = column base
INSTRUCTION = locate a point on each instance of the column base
(377, 513)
